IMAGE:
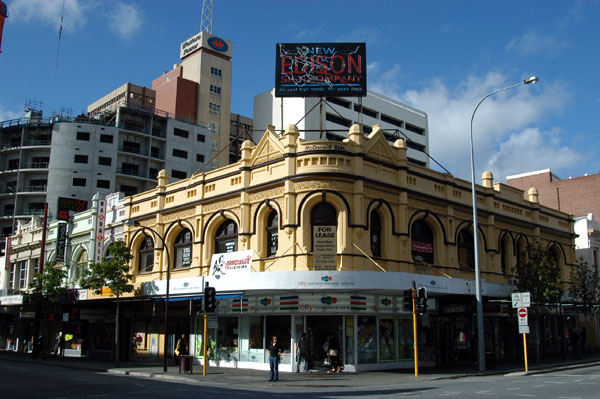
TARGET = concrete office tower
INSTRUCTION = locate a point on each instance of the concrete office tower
(397, 120)
(198, 89)
(123, 149)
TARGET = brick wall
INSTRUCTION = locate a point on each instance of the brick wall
(578, 196)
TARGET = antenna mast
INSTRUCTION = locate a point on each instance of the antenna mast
(207, 16)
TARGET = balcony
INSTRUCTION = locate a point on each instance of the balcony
(35, 188)
(36, 165)
(39, 142)
(132, 149)
(132, 172)
(31, 212)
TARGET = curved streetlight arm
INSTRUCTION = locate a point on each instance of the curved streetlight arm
(480, 332)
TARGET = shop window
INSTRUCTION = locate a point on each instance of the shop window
(387, 342)
(146, 256)
(251, 339)
(421, 242)
(466, 255)
(272, 233)
(227, 339)
(183, 249)
(281, 326)
(367, 339)
(375, 233)
(226, 237)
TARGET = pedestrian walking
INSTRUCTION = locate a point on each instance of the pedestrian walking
(334, 354)
(274, 353)
(302, 353)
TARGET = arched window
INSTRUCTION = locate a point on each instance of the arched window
(466, 256)
(107, 250)
(146, 255)
(323, 218)
(183, 249)
(80, 264)
(553, 255)
(226, 237)
(421, 242)
(521, 250)
(272, 233)
(375, 233)
(504, 254)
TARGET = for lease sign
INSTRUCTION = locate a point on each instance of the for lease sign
(325, 247)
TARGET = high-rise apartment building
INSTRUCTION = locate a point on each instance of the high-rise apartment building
(330, 120)
(121, 148)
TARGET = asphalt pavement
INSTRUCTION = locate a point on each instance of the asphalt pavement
(247, 378)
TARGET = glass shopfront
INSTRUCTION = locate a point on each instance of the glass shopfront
(238, 333)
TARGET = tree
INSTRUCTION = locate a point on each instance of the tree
(585, 288)
(539, 274)
(46, 288)
(112, 273)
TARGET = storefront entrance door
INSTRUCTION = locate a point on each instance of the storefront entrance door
(318, 328)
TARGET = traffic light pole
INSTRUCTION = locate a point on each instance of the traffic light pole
(205, 338)
(415, 335)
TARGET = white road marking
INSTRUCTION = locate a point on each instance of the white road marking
(525, 394)
(581, 379)
(539, 386)
(568, 397)
(555, 382)
(512, 389)
(449, 393)
(486, 393)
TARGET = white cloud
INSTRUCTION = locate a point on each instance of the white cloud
(531, 149)
(534, 43)
(499, 122)
(6, 114)
(49, 12)
(126, 20)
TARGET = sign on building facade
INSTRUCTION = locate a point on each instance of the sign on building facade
(321, 69)
(324, 247)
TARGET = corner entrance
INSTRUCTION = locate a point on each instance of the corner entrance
(318, 328)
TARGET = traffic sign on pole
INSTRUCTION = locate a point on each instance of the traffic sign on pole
(522, 316)
(521, 299)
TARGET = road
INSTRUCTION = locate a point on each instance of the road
(23, 380)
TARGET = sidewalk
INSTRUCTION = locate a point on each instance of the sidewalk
(234, 377)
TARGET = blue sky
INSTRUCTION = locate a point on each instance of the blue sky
(439, 56)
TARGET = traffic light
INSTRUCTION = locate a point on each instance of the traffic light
(210, 299)
(408, 300)
(422, 300)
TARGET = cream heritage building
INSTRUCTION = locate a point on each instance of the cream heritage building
(335, 231)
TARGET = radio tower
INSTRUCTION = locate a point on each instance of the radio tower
(207, 14)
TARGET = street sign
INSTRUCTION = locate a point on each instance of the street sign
(522, 316)
(525, 299)
(523, 329)
(521, 300)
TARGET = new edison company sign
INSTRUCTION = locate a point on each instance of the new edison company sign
(321, 69)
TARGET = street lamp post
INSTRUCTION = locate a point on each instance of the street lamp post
(131, 222)
(480, 333)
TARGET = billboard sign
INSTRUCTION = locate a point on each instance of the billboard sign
(321, 69)
(69, 204)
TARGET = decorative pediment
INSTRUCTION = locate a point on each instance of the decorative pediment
(268, 148)
(377, 147)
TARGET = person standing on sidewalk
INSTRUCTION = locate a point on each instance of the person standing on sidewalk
(181, 349)
(274, 353)
(302, 353)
